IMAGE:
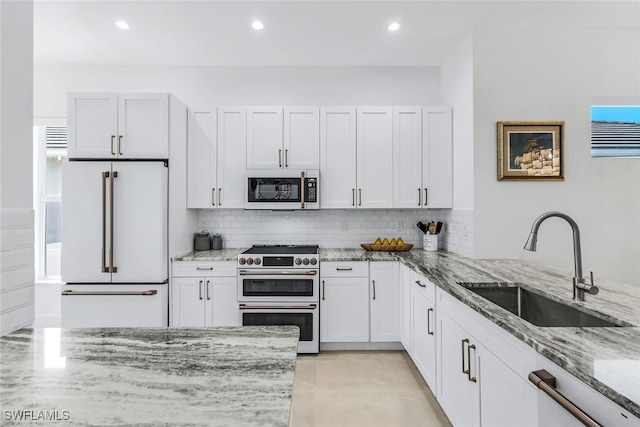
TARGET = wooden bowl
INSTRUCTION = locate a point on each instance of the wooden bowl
(386, 248)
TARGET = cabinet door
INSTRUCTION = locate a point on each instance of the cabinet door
(423, 332)
(407, 158)
(264, 138)
(140, 222)
(221, 295)
(384, 300)
(93, 125)
(458, 396)
(301, 138)
(143, 126)
(187, 301)
(201, 159)
(405, 308)
(232, 158)
(344, 306)
(338, 158)
(375, 158)
(437, 157)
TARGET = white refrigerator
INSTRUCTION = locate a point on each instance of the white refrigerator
(115, 243)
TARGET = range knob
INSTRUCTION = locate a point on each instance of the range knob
(305, 261)
(314, 261)
(249, 261)
(242, 261)
(258, 261)
(298, 261)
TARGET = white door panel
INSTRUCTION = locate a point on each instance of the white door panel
(202, 159)
(338, 157)
(143, 124)
(232, 157)
(93, 125)
(85, 215)
(140, 222)
(301, 138)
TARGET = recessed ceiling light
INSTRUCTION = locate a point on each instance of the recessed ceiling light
(257, 25)
(394, 26)
(122, 25)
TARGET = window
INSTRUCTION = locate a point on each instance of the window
(50, 151)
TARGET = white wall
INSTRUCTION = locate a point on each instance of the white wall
(207, 86)
(17, 274)
(524, 74)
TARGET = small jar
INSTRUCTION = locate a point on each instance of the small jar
(201, 241)
(216, 242)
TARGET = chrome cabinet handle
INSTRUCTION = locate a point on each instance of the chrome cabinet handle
(112, 267)
(219, 196)
(208, 296)
(105, 175)
(286, 158)
(374, 289)
(353, 197)
(464, 371)
(120, 145)
(547, 383)
(420, 284)
(200, 290)
(280, 158)
(426, 197)
(113, 137)
(419, 197)
(323, 291)
(472, 346)
(213, 197)
(429, 331)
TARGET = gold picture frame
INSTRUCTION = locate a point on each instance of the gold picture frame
(531, 151)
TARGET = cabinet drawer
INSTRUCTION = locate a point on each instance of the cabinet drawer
(423, 285)
(344, 269)
(204, 268)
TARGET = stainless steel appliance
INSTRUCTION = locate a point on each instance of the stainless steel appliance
(280, 285)
(276, 189)
(115, 243)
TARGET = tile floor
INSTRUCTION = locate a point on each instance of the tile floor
(362, 388)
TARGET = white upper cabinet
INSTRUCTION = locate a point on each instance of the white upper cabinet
(283, 138)
(423, 157)
(302, 138)
(216, 157)
(111, 125)
(437, 153)
(374, 153)
(338, 157)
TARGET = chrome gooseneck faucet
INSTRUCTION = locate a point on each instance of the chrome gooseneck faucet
(579, 285)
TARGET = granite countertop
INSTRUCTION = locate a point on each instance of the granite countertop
(614, 350)
(229, 254)
(240, 376)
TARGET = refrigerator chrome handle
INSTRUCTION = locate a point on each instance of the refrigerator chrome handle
(104, 293)
(113, 176)
(105, 175)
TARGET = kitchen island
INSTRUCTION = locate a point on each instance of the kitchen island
(240, 376)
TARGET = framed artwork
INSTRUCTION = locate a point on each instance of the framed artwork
(531, 151)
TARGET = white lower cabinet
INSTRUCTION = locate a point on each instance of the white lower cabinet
(384, 301)
(405, 308)
(204, 294)
(423, 327)
(344, 302)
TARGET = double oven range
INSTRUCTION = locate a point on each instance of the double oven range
(280, 285)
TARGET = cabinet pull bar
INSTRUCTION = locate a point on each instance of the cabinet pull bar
(353, 197)
(219, 196)
(120, 145)
(286, 158)
(208, 296)
(464, 371)
(109, 293)
(420, 284)
(429, 331)
(213, 197)
(426, 197)
(204, 268)
(547, 383)
(323, 291)
(200, 290)
(344, 268)
(472, 346)
(374, 289)
(280, 158)
(359, 196)
(113, 137)
(419, 197)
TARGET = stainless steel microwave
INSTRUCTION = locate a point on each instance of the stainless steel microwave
(282, 189)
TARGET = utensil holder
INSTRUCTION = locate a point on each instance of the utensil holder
(430, 242)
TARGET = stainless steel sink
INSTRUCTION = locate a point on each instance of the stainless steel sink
(538, 309)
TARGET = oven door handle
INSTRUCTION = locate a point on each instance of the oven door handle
(277, 273)
(277, 307)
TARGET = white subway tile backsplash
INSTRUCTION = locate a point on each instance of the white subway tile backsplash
(240, 228)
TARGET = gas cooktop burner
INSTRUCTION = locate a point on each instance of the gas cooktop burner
(282, 250)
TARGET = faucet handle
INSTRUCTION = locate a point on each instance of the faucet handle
(593, 289)
(586, 287)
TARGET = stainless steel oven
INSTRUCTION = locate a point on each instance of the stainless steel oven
(279, 285)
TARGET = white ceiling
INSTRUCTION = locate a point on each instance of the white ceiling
(296, 33)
